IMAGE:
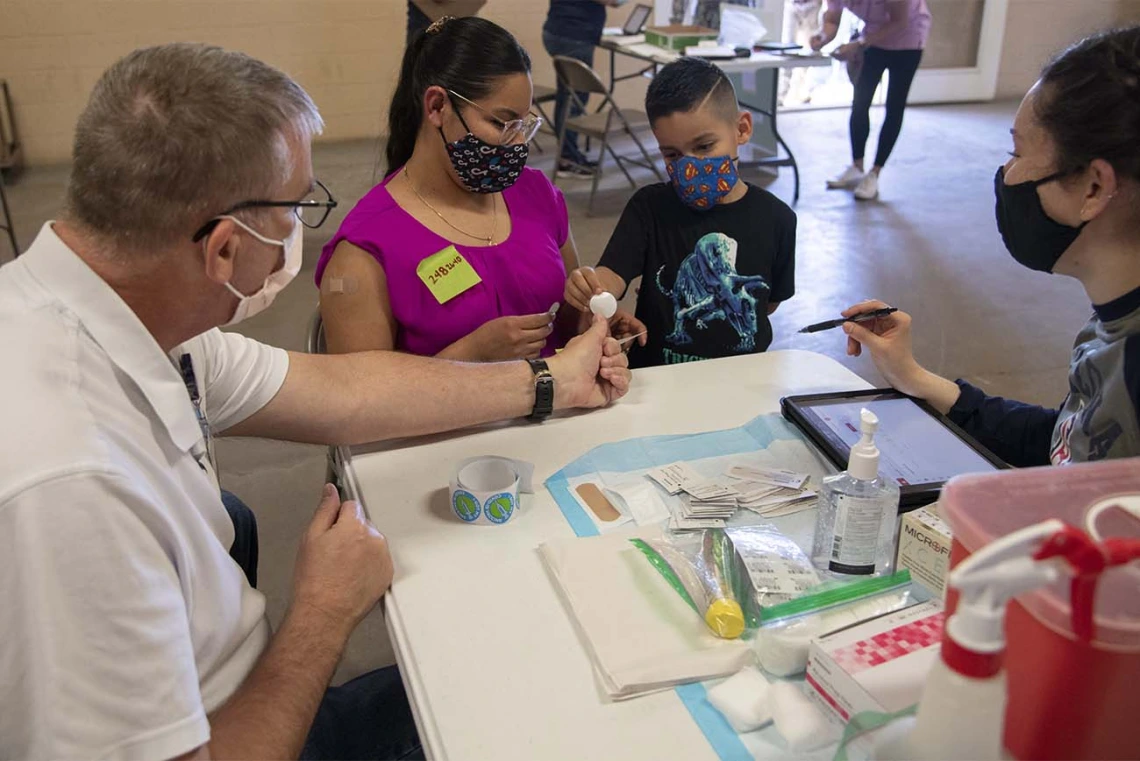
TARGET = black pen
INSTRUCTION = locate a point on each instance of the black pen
(863, 317)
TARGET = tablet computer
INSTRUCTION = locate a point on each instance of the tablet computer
(635, 22)
(919, 449)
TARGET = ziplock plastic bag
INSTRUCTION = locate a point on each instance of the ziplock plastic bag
(702, 567)
(738, 578)
(728, 575)
(782, 642)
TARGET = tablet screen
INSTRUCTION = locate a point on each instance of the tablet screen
(637, 19)
(914, 448)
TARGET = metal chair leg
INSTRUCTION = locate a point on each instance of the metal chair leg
(648, 159)
(620, 161)
(8, 219)
(598, 174)
(558, 154)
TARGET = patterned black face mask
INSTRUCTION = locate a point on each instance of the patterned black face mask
(483, 167)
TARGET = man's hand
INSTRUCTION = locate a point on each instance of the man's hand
(591, 371)
(343, 566)
(506, 338)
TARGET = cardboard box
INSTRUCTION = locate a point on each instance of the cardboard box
(678, 37)
(878, 665)
(924, 549)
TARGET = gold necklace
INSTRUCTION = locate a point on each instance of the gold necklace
(494, 213)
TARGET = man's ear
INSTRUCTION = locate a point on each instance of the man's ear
(219, 250)
(435, 101)
(743, 127)
(1102, 186)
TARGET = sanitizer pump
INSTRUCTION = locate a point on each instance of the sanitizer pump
(858, 512)
(962, 711)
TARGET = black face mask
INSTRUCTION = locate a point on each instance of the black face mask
(1034, 238)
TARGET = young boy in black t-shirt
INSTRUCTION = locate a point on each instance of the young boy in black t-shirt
(715, 255)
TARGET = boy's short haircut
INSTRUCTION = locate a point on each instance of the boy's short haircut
(685, 84)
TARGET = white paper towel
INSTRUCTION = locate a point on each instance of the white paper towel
(640, 635)
(486, 489)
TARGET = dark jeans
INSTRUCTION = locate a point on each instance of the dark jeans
(244, 549)
(367, 718)
(902, 64)
(417, 21)
(584, 52)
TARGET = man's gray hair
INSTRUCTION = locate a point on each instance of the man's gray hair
(176, 134)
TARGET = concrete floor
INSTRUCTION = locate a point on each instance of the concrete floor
(928, 246)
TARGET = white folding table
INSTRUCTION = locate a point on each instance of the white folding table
(489, 656)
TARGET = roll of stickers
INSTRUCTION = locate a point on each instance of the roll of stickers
(486, 489)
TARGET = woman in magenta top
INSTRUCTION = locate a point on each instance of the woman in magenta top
(894, 35)
(461, 252)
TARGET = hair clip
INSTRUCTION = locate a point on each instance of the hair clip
(438, 24)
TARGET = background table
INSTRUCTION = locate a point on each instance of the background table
(757, 83)
(490, 658)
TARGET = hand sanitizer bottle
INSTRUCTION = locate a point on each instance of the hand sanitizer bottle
(858, 512)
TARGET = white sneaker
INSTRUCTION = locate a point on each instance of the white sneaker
(868, 189)
(849, 179)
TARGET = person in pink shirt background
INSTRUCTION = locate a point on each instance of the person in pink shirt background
(462, 251)
(893, 38)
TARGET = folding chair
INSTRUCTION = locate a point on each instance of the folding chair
(544, 94)
(609, 119)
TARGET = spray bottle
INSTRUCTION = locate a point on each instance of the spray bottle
(962, 711)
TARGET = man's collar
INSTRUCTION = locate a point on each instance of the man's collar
(118, 331)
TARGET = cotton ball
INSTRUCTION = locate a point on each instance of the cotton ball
(743, 700)
(604, 304)
(802, 725)
(783, 651)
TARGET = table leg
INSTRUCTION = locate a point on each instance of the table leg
(774, 109)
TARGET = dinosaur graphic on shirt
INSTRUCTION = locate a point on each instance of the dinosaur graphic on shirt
(708, 289)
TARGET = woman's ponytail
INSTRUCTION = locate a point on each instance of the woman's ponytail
(405, 112)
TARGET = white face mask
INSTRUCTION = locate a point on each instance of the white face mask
(258, 302)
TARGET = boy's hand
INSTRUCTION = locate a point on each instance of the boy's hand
(624, 325)
(582, 285)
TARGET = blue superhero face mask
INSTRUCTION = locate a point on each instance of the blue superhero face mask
(702, 182)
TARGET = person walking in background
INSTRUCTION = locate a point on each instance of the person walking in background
(572, 29)
(893, 38)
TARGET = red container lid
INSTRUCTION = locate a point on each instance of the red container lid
(981, 508)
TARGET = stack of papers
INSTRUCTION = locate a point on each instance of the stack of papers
(708, 503)
(772, 492)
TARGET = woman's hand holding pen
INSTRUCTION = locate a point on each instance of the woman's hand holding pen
(888, 339)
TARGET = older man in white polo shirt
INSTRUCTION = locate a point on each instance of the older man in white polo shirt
(126, 629)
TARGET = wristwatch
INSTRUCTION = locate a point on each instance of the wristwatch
(543, 390)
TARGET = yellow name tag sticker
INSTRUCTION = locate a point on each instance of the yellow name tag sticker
(447, 274)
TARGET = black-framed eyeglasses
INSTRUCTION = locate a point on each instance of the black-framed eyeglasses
(312, 210)
(513, 129)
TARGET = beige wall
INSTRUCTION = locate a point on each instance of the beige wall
(346, 53)
(1036, 29)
